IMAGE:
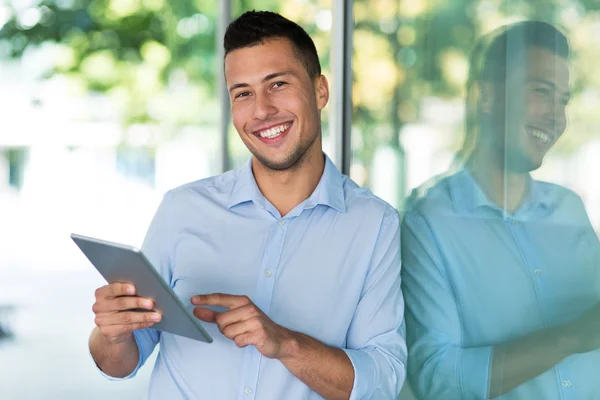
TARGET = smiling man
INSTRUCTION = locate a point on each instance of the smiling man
(294, 269)
(500, 271)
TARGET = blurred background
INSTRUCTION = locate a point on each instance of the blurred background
(107, 104)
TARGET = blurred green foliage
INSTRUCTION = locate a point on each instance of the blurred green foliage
(157, 59)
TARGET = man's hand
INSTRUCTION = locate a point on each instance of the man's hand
(245, 324)
(115, 315)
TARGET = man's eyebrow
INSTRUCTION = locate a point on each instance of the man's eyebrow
(277, 75)
(265, 79)
(548, 83)
(237, 86)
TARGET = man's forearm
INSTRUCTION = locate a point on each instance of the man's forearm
(116, 360)
(326, 370)
(519, 361)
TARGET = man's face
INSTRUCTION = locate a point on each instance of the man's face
(531, 110)
(275, 104)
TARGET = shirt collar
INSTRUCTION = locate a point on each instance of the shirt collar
(329, 190)
(467, 195)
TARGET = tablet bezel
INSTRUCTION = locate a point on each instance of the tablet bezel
(103, 254)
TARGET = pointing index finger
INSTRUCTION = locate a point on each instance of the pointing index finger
(220, 299)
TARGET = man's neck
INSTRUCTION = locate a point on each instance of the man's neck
(286, 189)
(503, 187)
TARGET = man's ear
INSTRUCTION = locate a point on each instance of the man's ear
(321, 91)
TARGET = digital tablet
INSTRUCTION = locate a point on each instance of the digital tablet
(121, 263)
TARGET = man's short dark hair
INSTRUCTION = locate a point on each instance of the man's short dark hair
(509, 48)
(255, 27)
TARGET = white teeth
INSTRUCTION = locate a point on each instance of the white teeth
(540, 135)
(274, 132)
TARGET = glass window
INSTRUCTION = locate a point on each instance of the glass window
(490, 128)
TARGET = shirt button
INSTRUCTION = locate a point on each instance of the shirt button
(268, 273)
(516, 223)
(247, 391)
(566, 383)
(538, 272)
(281, 222)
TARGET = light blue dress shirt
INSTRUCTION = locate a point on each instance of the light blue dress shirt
(330, 268)
(475, 276)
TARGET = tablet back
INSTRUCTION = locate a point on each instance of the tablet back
(120, 263)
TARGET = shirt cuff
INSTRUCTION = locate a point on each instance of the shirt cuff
(475, 367)
(134, 372)
(366, 373)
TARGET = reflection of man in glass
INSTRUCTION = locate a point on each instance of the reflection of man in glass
(500, 271)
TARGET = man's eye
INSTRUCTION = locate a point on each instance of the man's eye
(279, 84)
(242, 94)
(542, 91)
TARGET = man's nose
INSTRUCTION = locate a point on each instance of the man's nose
(263, 106)
(555, 113)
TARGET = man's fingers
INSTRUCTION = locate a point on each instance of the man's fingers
(220, 299)
(122, 303)
(126, 318)
(112, 332)
(241, 328)
(205, 314)
(236, 315)
(118, 289)
(244, 339)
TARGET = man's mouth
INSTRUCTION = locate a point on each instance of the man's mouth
(540, 135)
(274, 131)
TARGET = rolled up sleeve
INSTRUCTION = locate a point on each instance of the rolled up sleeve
(438, 367)
(375, 343)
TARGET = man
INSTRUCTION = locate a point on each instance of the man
(500, 272)
(294, 269)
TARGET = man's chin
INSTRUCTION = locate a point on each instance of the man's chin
(525, 166)
(277, 165)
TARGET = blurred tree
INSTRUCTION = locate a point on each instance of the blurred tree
(138, 51)
(156, 59)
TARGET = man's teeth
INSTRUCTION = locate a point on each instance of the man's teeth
(274, 132)
(540, 135)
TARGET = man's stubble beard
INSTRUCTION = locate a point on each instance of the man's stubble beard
(294, 161)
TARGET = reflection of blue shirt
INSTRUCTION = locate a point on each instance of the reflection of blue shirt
(474, 277)
(330, 269)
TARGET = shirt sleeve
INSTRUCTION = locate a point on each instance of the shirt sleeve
(375, 343)
(157, 248)
(438, 367)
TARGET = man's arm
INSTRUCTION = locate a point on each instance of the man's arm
(112, 343)
(437, 366)
(521, 360)
(114, 359)
(326, 370)
(372, 364)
